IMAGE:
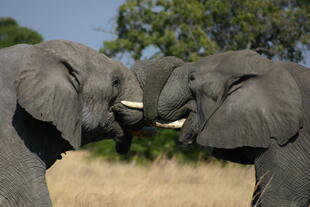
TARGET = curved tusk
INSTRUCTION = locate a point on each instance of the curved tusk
(131, 104)
(139, 105)
(173, 125)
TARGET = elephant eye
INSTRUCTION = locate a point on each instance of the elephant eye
(116, 82)
(191, 76)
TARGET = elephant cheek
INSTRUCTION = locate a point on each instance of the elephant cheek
(89, 121)
(92, 121)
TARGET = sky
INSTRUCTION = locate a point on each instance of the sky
(75, 20)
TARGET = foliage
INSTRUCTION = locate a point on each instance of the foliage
(11, 33)
(146, 150)
(195, 28)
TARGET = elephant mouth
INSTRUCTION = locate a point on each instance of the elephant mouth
(130, 120)
(116, 129)
(189, 124)
(168, 125)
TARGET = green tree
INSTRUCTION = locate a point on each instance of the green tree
(195, 28)
(11, 33)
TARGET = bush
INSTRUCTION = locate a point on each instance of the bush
(12, 33)
(163, 145)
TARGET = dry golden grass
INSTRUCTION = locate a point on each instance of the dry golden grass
(78, 181)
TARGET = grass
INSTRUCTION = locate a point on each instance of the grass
(79, 181)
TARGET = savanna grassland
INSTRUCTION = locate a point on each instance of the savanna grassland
(80, 181)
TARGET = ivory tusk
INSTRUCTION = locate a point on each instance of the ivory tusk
(139, 105)
(173, 125)
(131, 104)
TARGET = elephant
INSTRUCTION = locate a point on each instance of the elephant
(57, 96)
(245, 108)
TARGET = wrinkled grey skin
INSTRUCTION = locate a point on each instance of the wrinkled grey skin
(247, 109)
(57, 96)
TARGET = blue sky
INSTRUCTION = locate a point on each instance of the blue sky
(74, 20)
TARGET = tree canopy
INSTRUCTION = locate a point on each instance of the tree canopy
(11, 33)
(195, 28)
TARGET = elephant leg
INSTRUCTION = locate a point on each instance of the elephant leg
(22, 178)
(283, 176)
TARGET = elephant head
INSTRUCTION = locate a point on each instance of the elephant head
(230, 100)
(79, 91)
(57, 96)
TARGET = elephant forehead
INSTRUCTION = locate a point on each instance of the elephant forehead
(66, 49)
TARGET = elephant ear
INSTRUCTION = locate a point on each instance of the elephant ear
(47, 87)
(254, 109)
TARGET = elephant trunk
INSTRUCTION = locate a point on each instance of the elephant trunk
(153, 76)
